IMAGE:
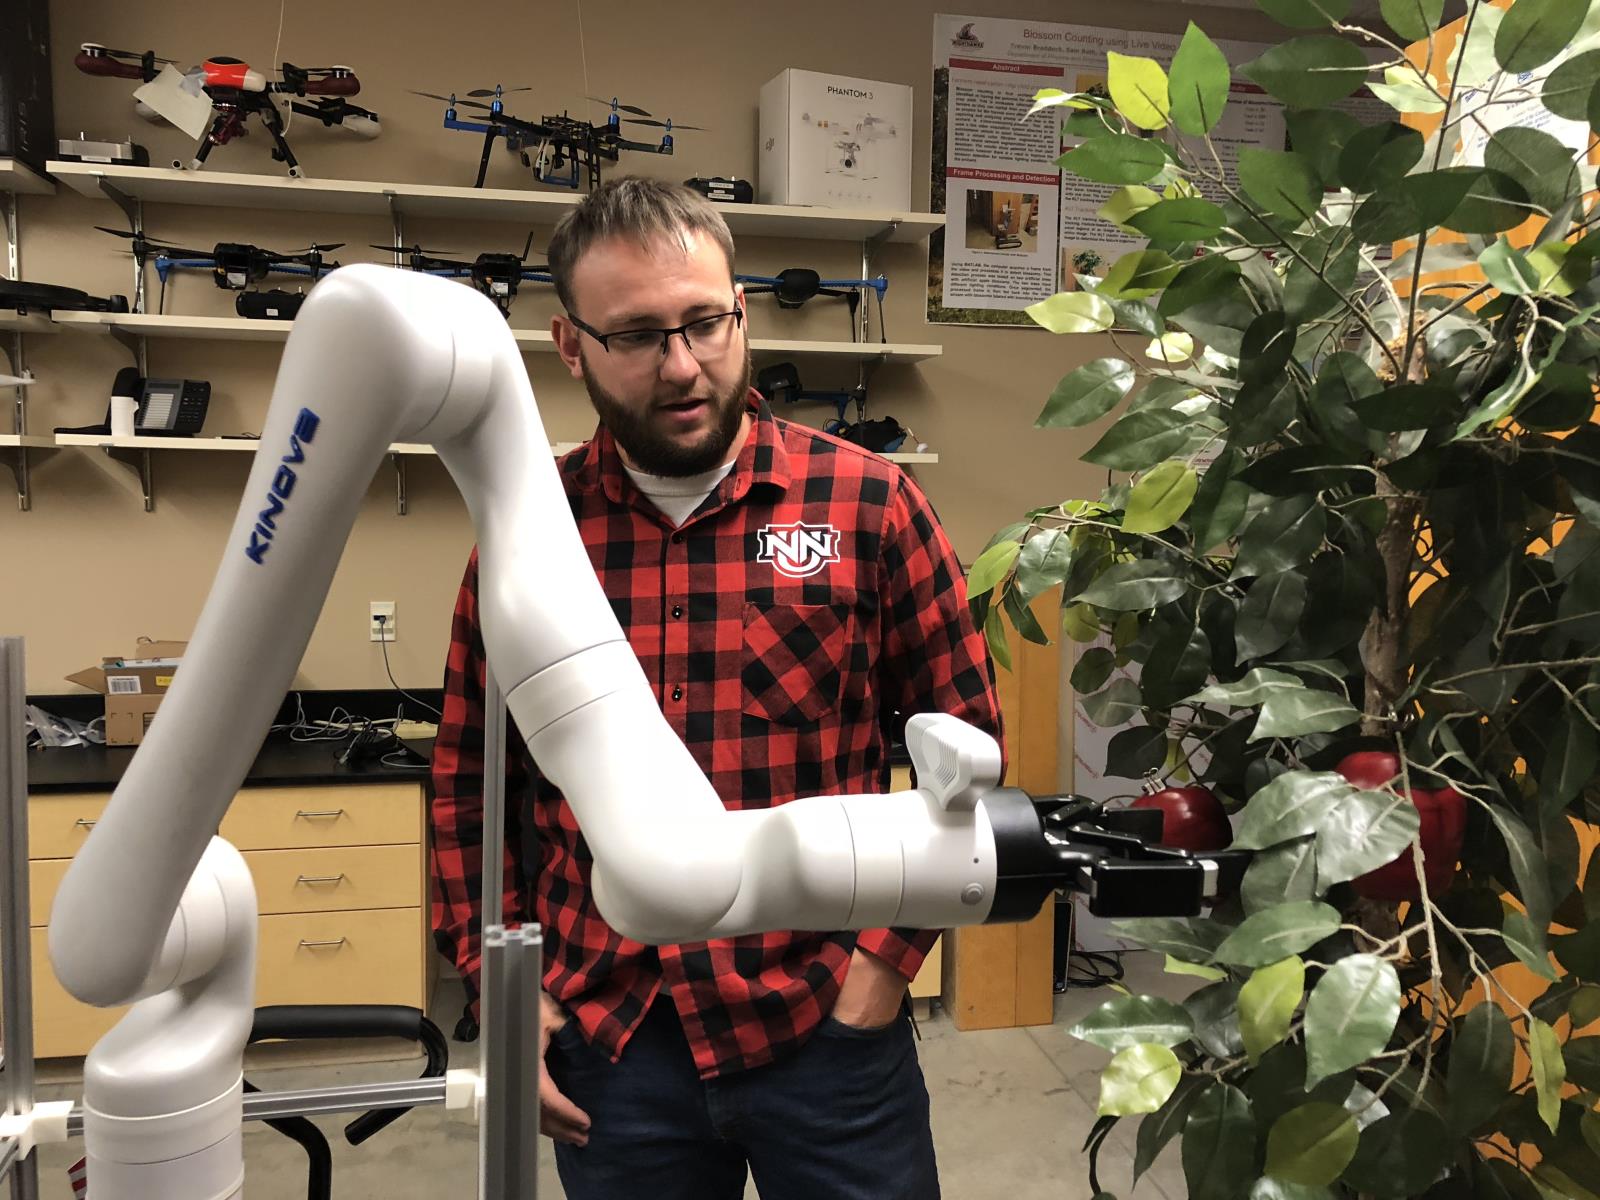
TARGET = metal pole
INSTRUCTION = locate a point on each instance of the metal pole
(16, 989)
(508, 1137)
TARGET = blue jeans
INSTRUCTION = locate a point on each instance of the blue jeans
(843, 1118)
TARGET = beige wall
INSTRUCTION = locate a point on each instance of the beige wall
(88, 571)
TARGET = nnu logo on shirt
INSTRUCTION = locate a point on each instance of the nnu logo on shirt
(798, 550)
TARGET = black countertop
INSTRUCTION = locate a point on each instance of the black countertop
(281, 763)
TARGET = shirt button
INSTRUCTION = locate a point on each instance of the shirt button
(677, 611)
(677, 538)
(677, 693)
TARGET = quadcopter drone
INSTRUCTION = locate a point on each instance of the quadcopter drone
(793, 286)
(235, 267)
(22, 297)
(496, 275)
(553, 144)
(237, 92)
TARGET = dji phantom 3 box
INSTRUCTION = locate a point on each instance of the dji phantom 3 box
(836, 142)
(133, 686)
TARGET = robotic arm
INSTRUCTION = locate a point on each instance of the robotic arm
(380, 355)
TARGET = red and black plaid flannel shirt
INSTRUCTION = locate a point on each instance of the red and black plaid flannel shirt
(781, 658)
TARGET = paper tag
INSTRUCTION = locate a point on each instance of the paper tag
(122, 685)
(171, 96)
(163, 681)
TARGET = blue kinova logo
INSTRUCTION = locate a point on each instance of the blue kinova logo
(305, 429)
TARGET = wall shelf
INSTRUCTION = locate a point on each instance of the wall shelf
(168, 185)
(241, 329)
(23, 180)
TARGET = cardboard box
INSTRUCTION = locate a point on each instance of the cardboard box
(834, 141)
(133, 686)
(27, 120)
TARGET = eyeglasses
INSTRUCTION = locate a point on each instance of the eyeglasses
(706, 337)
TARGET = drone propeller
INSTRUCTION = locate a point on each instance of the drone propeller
(320, 247)
(452, 101)
(628, 108)
(134, 55)
(497, 91)
(663, 124)
(144, 244)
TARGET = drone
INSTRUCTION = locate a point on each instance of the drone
(559, 150)
(23, 297)
(496, 275)
(237, 91)
(793, 286)
(236, 266)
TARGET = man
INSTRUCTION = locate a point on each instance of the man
(793, 600)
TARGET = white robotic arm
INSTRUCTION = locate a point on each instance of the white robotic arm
(376, 356)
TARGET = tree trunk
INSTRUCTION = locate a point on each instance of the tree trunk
(1383, 648)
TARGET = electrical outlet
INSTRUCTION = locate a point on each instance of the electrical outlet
(383, 631)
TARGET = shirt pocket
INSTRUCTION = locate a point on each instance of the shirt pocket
(794, 660)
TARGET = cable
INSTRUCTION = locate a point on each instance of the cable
(1101, 968)
(277, 45)
(384, 642)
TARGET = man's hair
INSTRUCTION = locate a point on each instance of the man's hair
(638, 210)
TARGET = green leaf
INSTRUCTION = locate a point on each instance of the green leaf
(1400, 1154)
(1136, 586)
(1549, 1071)
(1508, 268)
(1270, 614)
(1351, 1013)
(1267, 1004)
(1479, 1074)
(1215, 1009)
(1257, 685)
(1379, 155)
(1568, 88)
(1342, 381)
(1135, 314)
(1093, 668)
(1528, 942)
(1115, 158)
(1311, 1145)
(1140, 439)
(1200, 280)
(1219, 504)
(1131, 1020)
(1413, 20)
(1161, 1126)
(1281, 536)
(1267, 1188)
(1198, 83)
(1310, 72)
(1569, 764)
(1527, 865)
(1045, 559)
(1404, 91)
(1022, 618)
(1283, 873)
(994, 632)
(1191, 939)
(1116, 705)
(1172, 222)
(1294, 714)
(1319, 136)
(1281, 182)
(1305, 14)
(1266, 937)
(993, 565)
(1132, 752)
(1160, 498)
(1320, 286)
(1409, 206)
(1535, 31)
(1138, 274)
(1545, 169)
(1176, 966)
(1087, 394)
(1363, 831)
(1219, 1145)
(1125, 203)
(1072, 312)
(1138, 1080)
(1471, 63)
(1408, 406)
(1501, 402)
(1494, 202)
(1138, 88)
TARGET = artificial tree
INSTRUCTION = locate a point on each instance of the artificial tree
(1354, 511)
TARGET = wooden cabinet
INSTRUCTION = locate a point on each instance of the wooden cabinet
(340, 876)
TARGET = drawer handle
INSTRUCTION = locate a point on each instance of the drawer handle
(324, 942)
(322, 812)
(339, 878)
(85, 823)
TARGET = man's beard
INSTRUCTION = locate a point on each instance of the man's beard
(652, 451)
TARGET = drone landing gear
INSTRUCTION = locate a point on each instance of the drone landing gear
(483, 162)
(273, 120)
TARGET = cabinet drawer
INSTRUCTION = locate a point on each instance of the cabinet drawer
(344, 815)
(368, 957)
(320, 879)
(59, 824)
(62, 1026)
(334, 878)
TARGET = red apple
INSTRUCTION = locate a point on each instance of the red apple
(1191, 817)
(1444, 826)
